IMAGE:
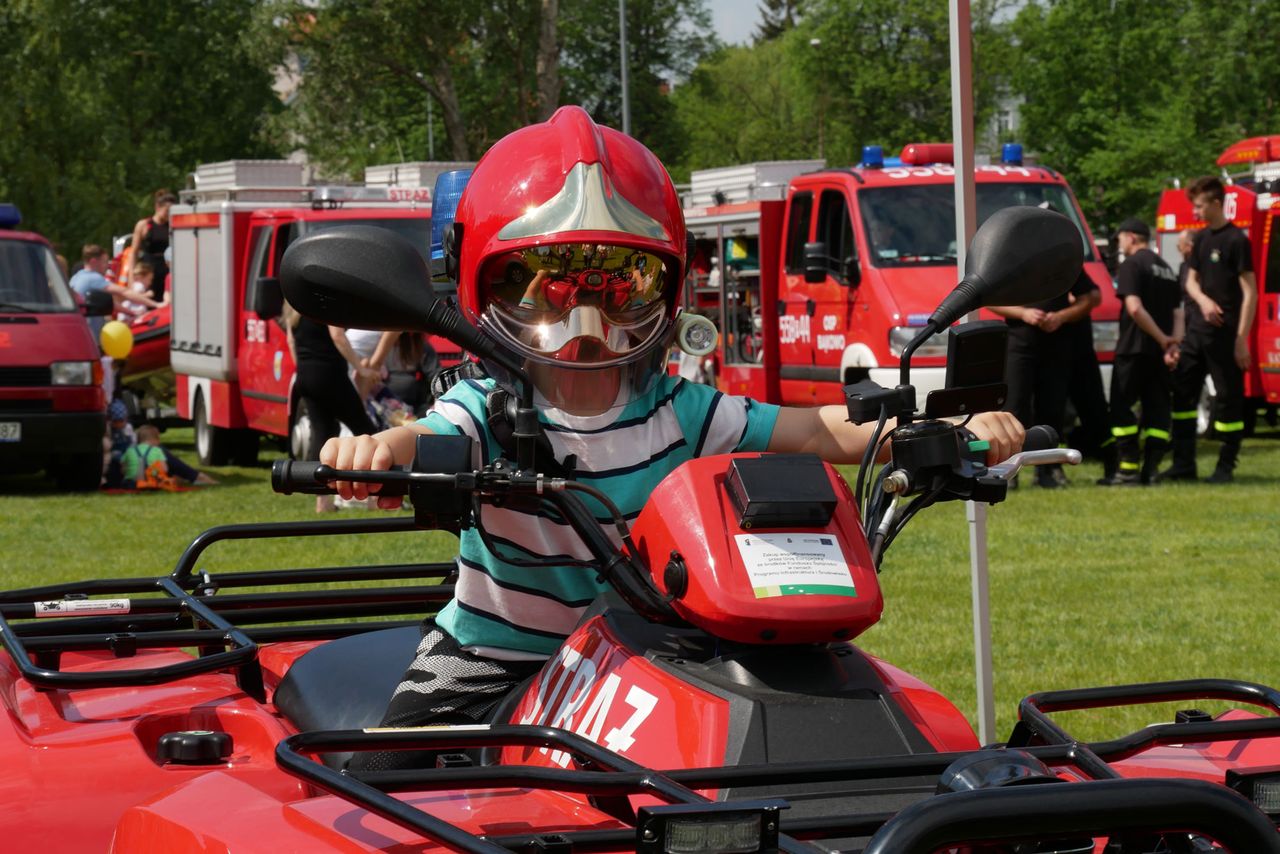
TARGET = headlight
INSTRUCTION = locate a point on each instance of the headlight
(1106, 334)
(901, 336)
(72, 373)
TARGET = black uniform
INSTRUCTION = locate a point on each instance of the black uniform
(1139, 374)
(1039, 365)
(1219, 257)
(323, 379)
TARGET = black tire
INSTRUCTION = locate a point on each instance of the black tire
(244, 450)
(79, 472)
(308, 429)
(213, 444)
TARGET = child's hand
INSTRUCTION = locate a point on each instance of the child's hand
(1001, 429)
(360, 453)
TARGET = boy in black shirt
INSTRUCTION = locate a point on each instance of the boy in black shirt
(1150, 327)
(1222, 299)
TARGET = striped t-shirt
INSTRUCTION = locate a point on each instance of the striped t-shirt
(513, 612)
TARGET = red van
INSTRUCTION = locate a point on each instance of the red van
(52, 409)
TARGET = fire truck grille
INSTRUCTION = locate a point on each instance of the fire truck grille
(36, 375)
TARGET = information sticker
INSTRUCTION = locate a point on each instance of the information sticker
(795, 564)
(81, 607)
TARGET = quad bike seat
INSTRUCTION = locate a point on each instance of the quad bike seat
(346, 683)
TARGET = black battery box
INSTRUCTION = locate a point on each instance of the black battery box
(780, 491)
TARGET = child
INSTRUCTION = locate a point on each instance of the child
(577, 208)
(149, 465)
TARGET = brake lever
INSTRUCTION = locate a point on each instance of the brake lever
(1050, 456)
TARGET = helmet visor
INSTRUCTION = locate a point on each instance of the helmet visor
(578, 303)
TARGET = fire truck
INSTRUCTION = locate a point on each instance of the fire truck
(1252, 202)
(822, 275)
(228, 346)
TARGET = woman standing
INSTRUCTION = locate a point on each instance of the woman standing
(151, 239)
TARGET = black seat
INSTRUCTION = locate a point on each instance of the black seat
(346, 683)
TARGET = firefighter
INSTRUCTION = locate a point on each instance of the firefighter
(1150, 329)
(1039, 360)
(1221, 302)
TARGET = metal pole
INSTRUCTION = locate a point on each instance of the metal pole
(431, 129)
(966, 224)
(622, 46)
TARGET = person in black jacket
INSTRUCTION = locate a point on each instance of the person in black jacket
(1222, 297)
(1150, 330)
(1039, 360)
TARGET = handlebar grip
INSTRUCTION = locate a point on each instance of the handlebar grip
(306, 476)
(1040, 438)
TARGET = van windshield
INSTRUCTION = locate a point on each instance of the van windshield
(916, 225)
(30, 279)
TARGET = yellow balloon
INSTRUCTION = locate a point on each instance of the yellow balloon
(116, 338)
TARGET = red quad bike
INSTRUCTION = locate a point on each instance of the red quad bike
(711, 701)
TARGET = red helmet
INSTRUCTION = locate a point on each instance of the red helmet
(569, 247)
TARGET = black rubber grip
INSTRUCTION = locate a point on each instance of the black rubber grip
(1040, 438)
(290, 476)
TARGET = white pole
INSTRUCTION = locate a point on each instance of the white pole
(626, 88)
(966, 224)
(431, 129)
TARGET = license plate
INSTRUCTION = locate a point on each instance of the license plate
(10, 431)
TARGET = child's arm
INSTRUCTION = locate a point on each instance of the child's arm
(826, 431)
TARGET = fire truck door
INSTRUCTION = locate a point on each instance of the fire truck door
(266, 366)
(834, 295)
(1268, 323)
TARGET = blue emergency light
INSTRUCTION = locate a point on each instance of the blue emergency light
(1011, 154)
(10, 216)
(872, 157)
(444, 205)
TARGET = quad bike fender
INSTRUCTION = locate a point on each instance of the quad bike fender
(191, 819)
(933, 714)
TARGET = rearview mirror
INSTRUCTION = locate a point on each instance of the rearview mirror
(816, 263)
(360, 276)
(98, 303)
(1020, 255)
(267, 299)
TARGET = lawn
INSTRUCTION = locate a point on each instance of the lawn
(1089, 586)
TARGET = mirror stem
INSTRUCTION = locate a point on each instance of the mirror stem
(450, 324)
(904, 363)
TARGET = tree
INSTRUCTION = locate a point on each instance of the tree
(776, 17)
(1124, 96)
(106, 102)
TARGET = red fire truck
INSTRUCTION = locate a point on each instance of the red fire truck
(1253, 203)
(228, 347)
(823, 275)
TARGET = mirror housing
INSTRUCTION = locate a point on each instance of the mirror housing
(852, 271)
(267, 298)
(1020, 255)
(816, 262)
(98, 303)
(360, 276)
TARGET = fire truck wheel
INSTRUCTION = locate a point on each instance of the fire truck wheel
(309, 429)
(79, 472)
(213, 444)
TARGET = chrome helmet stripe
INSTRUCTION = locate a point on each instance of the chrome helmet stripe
(584, 203)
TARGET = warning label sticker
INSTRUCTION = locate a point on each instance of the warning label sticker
(81, 607)
(795, 564)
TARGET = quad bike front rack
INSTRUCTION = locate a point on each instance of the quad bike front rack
(1101, 805)
(184, 609)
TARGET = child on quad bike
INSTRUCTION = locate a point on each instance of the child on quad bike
(569, 249)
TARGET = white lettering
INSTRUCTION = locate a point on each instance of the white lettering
(829, 322)
(830, 342)
(619, 740)
(1229, 206)
(793, 327)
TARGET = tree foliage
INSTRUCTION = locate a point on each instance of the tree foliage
(776, 17)
(1123, 96)
(105, 102)
(488, 68)
(848, 74)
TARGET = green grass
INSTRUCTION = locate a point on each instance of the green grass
(1089, 586)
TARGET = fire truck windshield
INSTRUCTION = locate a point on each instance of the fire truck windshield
(916, 225)
(30, 279)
